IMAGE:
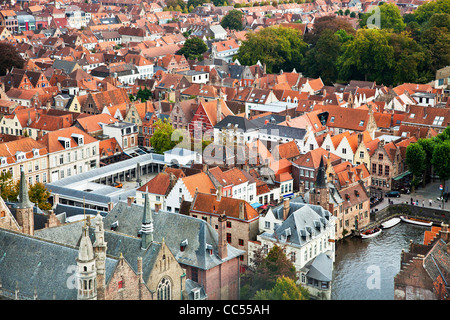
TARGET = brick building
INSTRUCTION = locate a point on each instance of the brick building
(242, 219)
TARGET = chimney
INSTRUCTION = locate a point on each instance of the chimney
(360, 138)
(241, 210)
(219, 193)
(110, 206)
(130, 201)
(445, 235)
(157, 207)
(285, 208)
(219, 110)
(222, 247)
(205, 168)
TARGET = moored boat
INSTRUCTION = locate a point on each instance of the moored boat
(369, 233)
(390, 223)
(420, 222)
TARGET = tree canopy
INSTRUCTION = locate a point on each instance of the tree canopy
(265, 272)
(233, 20)
(9, 58)
(161, 139)
(278, 47)
(193, 48)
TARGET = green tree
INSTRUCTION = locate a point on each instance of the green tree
(415, 159)
(39, 195)
(390, 17)
(161, 139)
(265, 271)
(284, 289)
(441, 161)
(428, 147)
(233, 20)
(320, 61)
(143, 94)
(410, 59)
(436, 42)
(193, 48)
(9, 58)
(367, 57)
(426, 10)
(278, 47)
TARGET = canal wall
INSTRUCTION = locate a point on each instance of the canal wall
(437, 216)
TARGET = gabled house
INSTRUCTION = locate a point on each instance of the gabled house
(241, 224)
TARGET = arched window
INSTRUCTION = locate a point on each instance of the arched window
(164, 290)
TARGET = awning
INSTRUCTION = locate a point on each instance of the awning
(256, 205)
(401, 176)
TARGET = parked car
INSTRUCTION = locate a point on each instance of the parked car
(117, 184)
(393, 194)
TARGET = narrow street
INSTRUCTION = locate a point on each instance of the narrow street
(423, 195)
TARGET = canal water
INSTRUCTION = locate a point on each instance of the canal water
(364, 269)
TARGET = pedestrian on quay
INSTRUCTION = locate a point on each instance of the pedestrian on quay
(431, 202)
(423, 203)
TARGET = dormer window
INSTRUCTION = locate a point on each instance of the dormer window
(35, 152)
(183, 245)
(65, 142)
(20, 156)
(79, 138)
(3, 161)
(209, 249)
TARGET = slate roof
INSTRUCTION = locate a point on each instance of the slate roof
(174, 228)
(31, 263)
(283, 131)
(302, 225)
(241, 122)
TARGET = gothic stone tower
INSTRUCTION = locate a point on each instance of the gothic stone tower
(100, 247)
(86, 268)
(24, 211)
(319, 195)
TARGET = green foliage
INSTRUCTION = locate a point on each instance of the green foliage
(415, 158)
(265, 271)
(233, 20)
(284, 289)
(425, 11)
(278, 47)
(320, 61)
(161, 139)
(193, 48)
(441, 160)
(390, 18)
(433, 152)
(39, 195)
(368, 57)
(143, 94)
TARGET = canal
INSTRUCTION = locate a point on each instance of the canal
(364, 269)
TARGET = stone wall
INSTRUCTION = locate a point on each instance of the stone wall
(436, 215)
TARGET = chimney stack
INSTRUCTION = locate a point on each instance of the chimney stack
(286, 207)
(219, 110)
(157, 207)
(219, 193)
(130, 201)
(241, 210)
(222, 248)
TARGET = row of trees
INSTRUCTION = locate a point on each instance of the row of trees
(430, 155)
(393, 49)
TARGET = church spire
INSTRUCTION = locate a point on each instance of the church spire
(24, 200)
(147, 224)
(321, 180)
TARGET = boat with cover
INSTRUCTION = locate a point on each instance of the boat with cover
(390, 223)
(420, 222)
(369, 233)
